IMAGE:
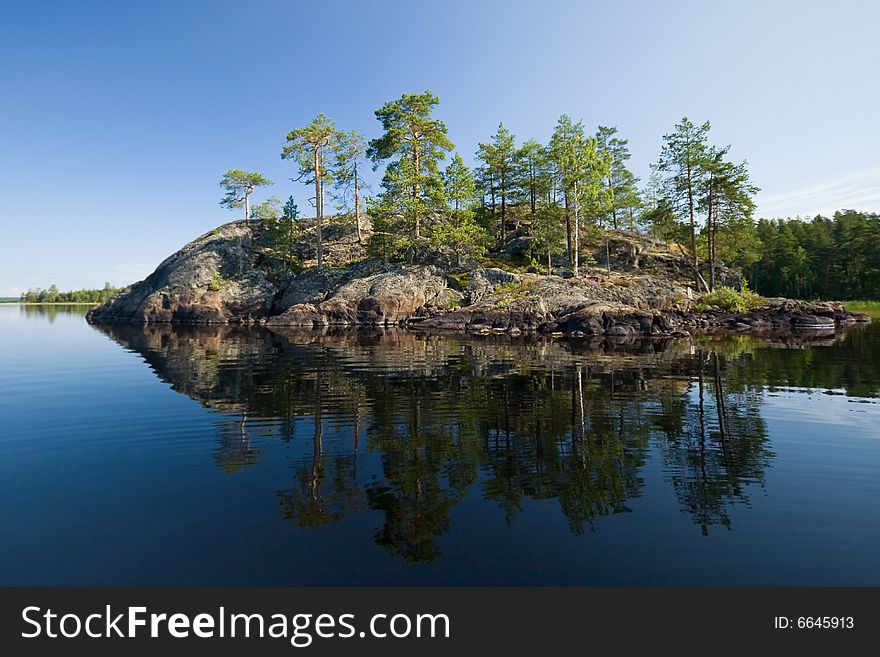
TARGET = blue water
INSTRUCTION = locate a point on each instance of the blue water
(161, 456)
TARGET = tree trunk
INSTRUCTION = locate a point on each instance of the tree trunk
(710, 239)
(416, 173)
(492, 192)
(533, 191)
(690, 194)
(576, 236)
(247, 208)
(568, 249)
(319, 206)
(357, 207)
(503, 210)
(613, 208)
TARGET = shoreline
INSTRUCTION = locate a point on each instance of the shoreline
(51, 303)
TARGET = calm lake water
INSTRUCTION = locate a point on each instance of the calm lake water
(175, 456)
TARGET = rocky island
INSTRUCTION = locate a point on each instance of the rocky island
(636, 286)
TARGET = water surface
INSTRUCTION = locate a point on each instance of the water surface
(231, 456)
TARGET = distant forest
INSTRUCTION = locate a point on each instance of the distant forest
(826, 258)
(53, 295)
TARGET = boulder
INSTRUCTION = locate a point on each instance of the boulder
(387, 297)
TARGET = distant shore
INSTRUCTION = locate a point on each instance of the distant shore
(49, 303)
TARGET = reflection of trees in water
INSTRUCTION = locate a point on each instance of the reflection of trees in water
(720, 448)
(51, 311)
(533, 421)
(560, 435)
(850, 362)
(234, 449)
(326, 487)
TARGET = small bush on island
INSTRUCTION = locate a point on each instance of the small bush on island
(216, 283)
(728, 299)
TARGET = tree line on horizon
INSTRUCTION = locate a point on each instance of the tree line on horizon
(824, 258)
(569, 193)
(54, 295)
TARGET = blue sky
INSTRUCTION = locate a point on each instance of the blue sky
(119, 118)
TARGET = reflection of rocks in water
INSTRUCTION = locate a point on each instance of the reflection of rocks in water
(520, 419)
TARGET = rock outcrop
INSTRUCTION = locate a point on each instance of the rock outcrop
(232, 275)
(212, 280)
(391, 295)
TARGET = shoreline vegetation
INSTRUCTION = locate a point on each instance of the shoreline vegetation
(15, 302)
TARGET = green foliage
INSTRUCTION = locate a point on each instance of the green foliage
(453, 302)
(729, 300)
(284, 230)
(390, 239)
(582, 169)
(498, 172)
(53, 295)
(456, 227)
(410, 129)
(462, 278)
(620, 193)
(548, 233)
(216, 283)
(268, 211)
(835, 258)
(308, 148)
(348, 159)
(682, 158)
(534, 174)
(239, 185)
(412, 185)
(510, 292)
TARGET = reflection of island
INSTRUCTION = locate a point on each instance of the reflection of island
(522, 419)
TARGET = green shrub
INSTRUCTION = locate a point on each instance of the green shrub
(463, 279)
(510, 292)
(729, 300)
(216, 283)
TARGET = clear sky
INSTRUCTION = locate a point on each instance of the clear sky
(119, 118)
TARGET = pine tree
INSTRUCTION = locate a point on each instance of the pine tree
(581, 171)
(532, 167)
(348, 181)
(683, 157)
(499, 158)
(419, 142)
(727, 200)
(309, 147)
(457, 228)
(239, 186)
(548, 233)
(620, 189)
